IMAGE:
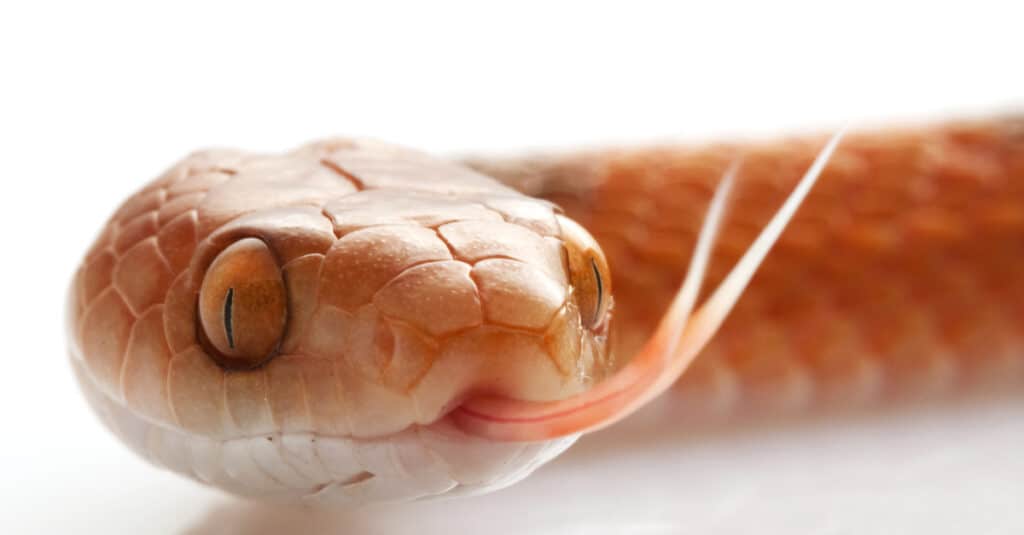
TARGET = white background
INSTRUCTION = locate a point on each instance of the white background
(96, 98)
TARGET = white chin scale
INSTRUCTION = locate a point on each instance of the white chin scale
(421, 462)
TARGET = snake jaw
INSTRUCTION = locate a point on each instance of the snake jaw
(678, 339)
(315, 469)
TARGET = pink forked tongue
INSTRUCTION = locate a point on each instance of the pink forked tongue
(679, 338)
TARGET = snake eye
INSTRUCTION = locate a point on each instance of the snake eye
(588, 272)
(243, 305)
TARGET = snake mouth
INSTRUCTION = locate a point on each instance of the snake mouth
(419, 462)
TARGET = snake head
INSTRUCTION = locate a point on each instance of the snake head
(302, 325)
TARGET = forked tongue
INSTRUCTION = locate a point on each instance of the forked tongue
(680, 336)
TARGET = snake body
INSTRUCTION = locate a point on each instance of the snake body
(303, 325)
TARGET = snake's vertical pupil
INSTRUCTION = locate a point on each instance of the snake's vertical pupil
(600, 289)
(227, 317)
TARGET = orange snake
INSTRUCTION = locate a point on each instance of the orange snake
(355, 322)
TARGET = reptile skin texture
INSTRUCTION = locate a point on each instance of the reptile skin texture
(394, 286)
(411, 282)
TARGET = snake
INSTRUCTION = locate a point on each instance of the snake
(354, 322)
